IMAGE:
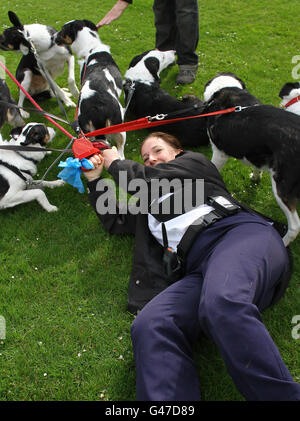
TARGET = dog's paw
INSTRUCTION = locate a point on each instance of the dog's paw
(69, 103)
(73, 89)
(54, 184)
(58, 183)
(52, 208)
(24, 114)
(67, 98)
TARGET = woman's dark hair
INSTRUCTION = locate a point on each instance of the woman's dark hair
(166, 137)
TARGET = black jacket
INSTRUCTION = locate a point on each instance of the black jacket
(147, 275)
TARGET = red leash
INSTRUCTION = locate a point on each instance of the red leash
(83, 148)
(141, 123)
(35, 103)
(146, 122)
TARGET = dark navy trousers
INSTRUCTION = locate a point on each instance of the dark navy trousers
(232, 270)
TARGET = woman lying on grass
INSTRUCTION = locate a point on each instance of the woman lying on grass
(232, 267)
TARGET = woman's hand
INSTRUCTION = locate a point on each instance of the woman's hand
(101, 161)
(98, 161)
(109, 156)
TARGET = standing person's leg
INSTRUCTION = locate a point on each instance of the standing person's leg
(187, 37)
(165, 24)
(177, 28)
(162, 337)
(187, 24)
(239, 281)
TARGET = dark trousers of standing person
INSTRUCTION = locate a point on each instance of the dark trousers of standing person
(177, 28)
(232, 271)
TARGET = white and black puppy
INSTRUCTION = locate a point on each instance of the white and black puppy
(265, 136)
(52, 56)
(101, 80)
(145, 97)
(290, 96)
(8, 110)
(17, 168)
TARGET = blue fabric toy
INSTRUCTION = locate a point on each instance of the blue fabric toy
(71, 173)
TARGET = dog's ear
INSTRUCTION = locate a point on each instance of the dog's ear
(138, 58)
(90, 25)
(152, 64)
(15, 20)
(15, 132)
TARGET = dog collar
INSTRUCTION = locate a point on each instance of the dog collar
(292, 101)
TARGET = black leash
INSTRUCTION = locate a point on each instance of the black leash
(20, 148)
(74, 125)
(131, 91)
(35, 110)
(45, 72)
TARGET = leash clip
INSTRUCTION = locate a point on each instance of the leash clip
(34, 184)
(132, 86)
(28, 183)
(157, 117)
(239, 108)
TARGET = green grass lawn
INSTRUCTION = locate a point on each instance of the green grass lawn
(63, 279)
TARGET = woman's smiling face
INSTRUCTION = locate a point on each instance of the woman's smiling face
(156, 151)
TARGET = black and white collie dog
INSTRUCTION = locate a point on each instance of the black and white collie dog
(8, 110)
(290, 97)
(101, 80)
(265, 136)
(17, 168)
(145, 97)
(53, 58)
(214, 87)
